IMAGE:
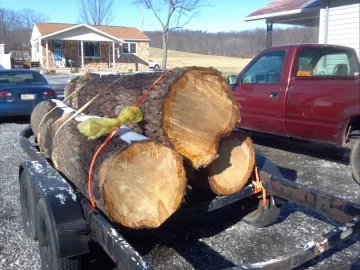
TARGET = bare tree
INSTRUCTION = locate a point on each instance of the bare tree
(16, 27)
(96, 12)
(27, 18)
(175, 14)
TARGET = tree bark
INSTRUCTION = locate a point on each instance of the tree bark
(189, 110)
(136, 181)
(232, 169)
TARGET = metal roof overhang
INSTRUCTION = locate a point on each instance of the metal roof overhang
(299, 17)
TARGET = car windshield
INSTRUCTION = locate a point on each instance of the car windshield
(23, 77)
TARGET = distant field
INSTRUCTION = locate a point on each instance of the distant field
(227, 65)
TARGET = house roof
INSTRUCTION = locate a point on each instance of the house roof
(119, 32)
(283, 7)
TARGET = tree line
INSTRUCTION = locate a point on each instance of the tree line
(16, 27)
(234, 44)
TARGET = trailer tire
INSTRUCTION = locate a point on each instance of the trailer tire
(28, 201)
(47, 243)
(355, 161)
(263, 216)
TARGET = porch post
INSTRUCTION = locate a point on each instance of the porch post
(113, 49)
(82, 54)
(47, 54)
(269, 28)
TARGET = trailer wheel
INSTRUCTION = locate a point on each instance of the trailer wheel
(47, 243)
(28, 200)
(355, 161)
(263, 216)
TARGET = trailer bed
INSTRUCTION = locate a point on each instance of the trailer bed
(181, 244)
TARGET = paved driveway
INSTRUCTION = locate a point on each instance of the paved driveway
(58, 82)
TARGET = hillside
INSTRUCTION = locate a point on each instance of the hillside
(227, 65)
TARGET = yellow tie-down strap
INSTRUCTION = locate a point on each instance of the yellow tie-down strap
(94, 128)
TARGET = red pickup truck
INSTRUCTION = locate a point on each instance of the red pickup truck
(306, 91)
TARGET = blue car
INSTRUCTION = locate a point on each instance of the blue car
(21, 90)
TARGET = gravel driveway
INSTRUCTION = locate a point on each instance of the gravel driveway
(217, 240)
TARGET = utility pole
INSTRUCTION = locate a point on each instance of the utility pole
(142, 19)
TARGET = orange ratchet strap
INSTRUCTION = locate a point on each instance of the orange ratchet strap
(258, 186)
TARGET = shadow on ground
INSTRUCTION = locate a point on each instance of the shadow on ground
(316, 150)
(185, 237)
(15, 120)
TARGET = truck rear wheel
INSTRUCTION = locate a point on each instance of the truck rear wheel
(28, 201)
(263, 216)
(355, 161)
(47, 243)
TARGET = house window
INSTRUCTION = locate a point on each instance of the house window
(91, 49)
(129, 47)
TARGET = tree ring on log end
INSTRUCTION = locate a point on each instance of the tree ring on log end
(198, 111)
(143, 184)
(234, 166)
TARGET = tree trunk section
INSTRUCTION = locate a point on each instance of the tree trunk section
(232, 169)
(136, 181)
(165, 43)
(189, 110)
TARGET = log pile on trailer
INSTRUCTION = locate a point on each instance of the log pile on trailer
(188, 125)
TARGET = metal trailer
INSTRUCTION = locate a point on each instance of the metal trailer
(65, 229)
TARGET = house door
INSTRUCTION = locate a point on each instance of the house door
(57, 50)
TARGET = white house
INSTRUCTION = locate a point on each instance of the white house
(5, 58)
(339, 23)
(54, 45)
(338, 20)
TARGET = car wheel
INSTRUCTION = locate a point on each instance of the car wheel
(263, 216)
(156, 67)
(47, 243)
(355, 161)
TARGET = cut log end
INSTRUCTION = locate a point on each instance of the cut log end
(198, 111)
(234, 166)
(143, 185)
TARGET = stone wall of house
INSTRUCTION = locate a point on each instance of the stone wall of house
(125, 63)
(133, 62)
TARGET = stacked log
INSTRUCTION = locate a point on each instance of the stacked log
(192, 110)
(189, 110)
(136, 181)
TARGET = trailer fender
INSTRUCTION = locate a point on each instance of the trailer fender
(64, 207)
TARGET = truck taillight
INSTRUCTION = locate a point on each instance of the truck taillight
(5, 94)
(49, 92)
